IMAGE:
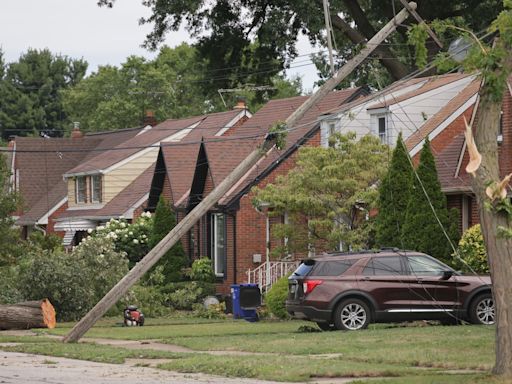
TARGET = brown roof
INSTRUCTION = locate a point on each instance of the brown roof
(443, 114)
(41, 163)
(432, 82)
(180, 162)
(447, 162)
(107, 158)
(276, 110)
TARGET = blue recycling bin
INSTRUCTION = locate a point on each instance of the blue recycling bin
(246, 299)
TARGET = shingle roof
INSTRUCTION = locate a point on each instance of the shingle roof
(432, 83)
(444, 113)
(152, 136)
(447, 162)
(180, 162)
(262, 120)
(42, 162)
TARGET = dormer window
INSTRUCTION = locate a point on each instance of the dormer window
(332, 131)
(81, 189)
(96, 188)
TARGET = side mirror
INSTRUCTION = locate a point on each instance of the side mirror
(446, 275)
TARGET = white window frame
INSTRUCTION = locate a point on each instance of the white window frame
(77, 190)
(94, 198)
(218, 221)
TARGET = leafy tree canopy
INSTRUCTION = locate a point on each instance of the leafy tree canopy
(9, 236)
(328, 194)
(172, 86)
(30, 92)
(225, 30)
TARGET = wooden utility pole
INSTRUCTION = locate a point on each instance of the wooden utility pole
(329, 33)
(120, 289)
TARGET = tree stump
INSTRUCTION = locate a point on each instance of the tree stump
(26, 315)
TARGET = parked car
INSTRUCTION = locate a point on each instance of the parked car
(347, 291)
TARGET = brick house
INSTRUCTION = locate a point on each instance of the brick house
(451, 154)
(115, 182)
(234, 235)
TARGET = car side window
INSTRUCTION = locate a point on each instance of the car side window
(332, 268)
(425, 266)
(384, 266)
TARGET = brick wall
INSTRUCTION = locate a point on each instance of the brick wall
(50, 228)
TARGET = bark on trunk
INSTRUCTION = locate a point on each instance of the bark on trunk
(499, 249)
(29, 314)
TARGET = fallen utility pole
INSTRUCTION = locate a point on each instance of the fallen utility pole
(120, 289)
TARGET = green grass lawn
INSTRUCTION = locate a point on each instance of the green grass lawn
(286, 352)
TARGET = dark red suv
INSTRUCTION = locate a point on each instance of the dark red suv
(350, 290)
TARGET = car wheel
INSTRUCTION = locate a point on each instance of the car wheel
(482, 310)
(351, 315)
(325, 326)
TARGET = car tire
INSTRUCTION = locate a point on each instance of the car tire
(482, 310)
(352, 315)
(325, 326)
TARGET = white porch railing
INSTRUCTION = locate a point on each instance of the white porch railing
(269, 272)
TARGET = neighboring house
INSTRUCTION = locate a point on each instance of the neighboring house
(404, 106)
(116, 182)
(233, 234)
(37, 166)
(451, 154)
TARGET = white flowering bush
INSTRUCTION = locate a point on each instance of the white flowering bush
(130, 238)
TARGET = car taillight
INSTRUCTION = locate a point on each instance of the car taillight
(310, 285)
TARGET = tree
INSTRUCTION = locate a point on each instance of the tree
(9, 236)
(30, 92)
(494, 64)
(225, 29)
(394, 193)
(172, 86)
(328, 194)
(421, 230)
(175, 259)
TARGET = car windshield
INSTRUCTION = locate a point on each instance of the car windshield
(304, 268)
(426, 266)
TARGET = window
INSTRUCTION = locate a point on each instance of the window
(332, 131)
(81, 189)
(425, 266)
(218, 242)
(96, 188)
(382, 130)
(382, 266)
(332, 268)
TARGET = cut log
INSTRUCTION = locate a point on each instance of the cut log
(26, 315)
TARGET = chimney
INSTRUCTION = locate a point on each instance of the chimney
(76, 133)
(240, 103)
(149, 119)
(12, 142)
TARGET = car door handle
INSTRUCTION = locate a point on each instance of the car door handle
(419, 281)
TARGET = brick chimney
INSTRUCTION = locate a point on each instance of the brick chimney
(149, 119)
(240, 103)
(76, 133)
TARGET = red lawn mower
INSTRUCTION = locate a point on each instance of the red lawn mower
(133, 317)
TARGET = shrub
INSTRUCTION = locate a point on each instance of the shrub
(9, 287)
(175, 260)
(132, 239)
(472, 250)
(202, 270)
(184, 295)
(276, 297)
(74, 282)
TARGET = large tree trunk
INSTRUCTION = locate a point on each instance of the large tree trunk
(499, 249)
(29, 314)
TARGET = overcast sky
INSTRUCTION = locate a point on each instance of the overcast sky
(81, 29)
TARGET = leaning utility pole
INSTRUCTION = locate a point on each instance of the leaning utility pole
(120, 289)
